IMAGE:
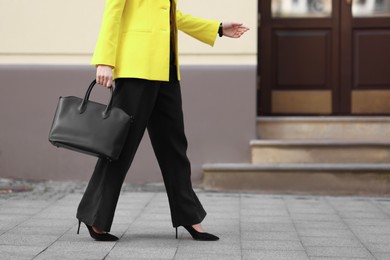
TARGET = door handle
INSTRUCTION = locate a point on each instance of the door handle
(349, 2)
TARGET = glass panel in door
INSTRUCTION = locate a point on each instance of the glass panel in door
(301, 8)
(371, 8)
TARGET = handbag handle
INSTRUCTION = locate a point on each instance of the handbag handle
(83, 106)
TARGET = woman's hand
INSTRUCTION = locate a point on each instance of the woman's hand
(233, 30)
(104, 75)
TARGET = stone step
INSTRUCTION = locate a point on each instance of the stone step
(319, 151)
(324, 128)
(299, 178)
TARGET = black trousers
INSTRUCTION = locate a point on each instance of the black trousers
(156, 106)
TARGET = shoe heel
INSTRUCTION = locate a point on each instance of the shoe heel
(78, 229)
(176, 233)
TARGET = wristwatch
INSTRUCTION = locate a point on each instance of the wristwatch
(220, 30)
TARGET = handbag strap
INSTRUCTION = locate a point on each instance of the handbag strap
(83, 105)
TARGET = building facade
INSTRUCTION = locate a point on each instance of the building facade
(300, 103)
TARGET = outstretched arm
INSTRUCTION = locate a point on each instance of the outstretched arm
(206, 30)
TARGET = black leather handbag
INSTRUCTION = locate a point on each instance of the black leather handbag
(89, 127)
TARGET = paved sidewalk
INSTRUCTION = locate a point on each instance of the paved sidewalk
(40, 224)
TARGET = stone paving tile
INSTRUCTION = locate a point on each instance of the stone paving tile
(283, 236)
(222, 222)
(76, 250)
(25, 203)
(371, 229)
(268, 227)
(338, 251)
(154, 218)
(382, 256)
(341, 258)
(13, 218)
(307, 208)
(264, 210)
(143, 252)
(311, 211)
(265, 219)
(147, 241)
(326, 233)
(272, 245)
(273, 255)
(221, 213)
(350, 201)
(316, 217)
(206, 256)
(43, 222)
(149, 236)
(123, 219)
(330, 242)
(260, 204)
(383, 204)
(367, 222)
(27, 239)
(19, 211)
(22, 230)
(10, 221)
(223, 247)
(363, 215)
(147, 226)
(228, 215)
(379, 248)
(301, 225)
(13, 252)
(375, 238)
(130, 214)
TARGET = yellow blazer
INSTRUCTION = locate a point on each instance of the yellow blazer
(135, 37)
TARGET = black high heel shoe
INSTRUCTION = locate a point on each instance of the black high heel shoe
(97, 236)
(200, 236)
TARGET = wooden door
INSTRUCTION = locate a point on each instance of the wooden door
(324, 57)
(365, 57)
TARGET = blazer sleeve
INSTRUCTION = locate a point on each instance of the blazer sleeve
(201, 29)
(105, 50)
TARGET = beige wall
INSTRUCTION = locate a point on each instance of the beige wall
(65, 32)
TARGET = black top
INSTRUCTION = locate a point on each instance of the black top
(172, 62)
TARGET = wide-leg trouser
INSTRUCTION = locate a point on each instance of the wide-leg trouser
(156, 106)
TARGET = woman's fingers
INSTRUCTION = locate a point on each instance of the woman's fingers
(109, 83)
(104, 75)
(241, 31)
(104, 79)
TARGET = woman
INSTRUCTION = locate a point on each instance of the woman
(137, 47)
